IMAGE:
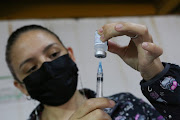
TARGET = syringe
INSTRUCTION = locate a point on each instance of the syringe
(99, 85)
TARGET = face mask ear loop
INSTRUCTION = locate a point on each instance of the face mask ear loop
(81, 84)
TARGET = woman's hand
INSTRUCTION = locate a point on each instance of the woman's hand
(92, 110)
(141, 53)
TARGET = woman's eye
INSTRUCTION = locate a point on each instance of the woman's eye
(54, 55)
(32, 69)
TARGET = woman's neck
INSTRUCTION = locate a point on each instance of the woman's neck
(64, 111)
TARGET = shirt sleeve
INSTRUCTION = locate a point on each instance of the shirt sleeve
(163, 91)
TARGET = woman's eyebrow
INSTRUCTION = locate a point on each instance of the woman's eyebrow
(30, 59)
(25, 61)
(48, 47)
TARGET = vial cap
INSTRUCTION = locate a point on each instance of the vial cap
(100, 54)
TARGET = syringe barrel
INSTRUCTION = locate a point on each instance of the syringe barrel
(99, 87)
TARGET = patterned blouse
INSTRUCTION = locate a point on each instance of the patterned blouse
(127, 107)
(163, 91)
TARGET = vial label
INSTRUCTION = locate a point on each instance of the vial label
(98, 40)
(100, 47)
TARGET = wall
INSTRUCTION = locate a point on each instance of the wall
(79, 34)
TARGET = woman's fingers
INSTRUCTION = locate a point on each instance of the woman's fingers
(124, 28)
(131, 29)
(108, 31)
(152, 50)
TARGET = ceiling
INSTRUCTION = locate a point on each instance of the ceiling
(28, 9)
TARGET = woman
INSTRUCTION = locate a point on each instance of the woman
(46, 71)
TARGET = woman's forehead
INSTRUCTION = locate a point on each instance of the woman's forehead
(32, 42)
(34, 39)
(36, 36)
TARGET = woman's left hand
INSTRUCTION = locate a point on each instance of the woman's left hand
(141, 53)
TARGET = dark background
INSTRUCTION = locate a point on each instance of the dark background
(28, 9)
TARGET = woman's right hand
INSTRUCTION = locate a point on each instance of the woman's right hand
(92, 109)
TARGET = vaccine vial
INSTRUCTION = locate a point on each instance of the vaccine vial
(100, 47)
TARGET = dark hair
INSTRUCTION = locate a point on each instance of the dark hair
(14, 36)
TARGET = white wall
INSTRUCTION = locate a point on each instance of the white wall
(79, 34)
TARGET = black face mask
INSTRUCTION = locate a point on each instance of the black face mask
(54, 83)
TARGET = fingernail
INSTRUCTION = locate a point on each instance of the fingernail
(102, 37)
(145, 44)
(119, 26)
(100, 30)
(112, 102)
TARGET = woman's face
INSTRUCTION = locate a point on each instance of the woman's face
(31, 49)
